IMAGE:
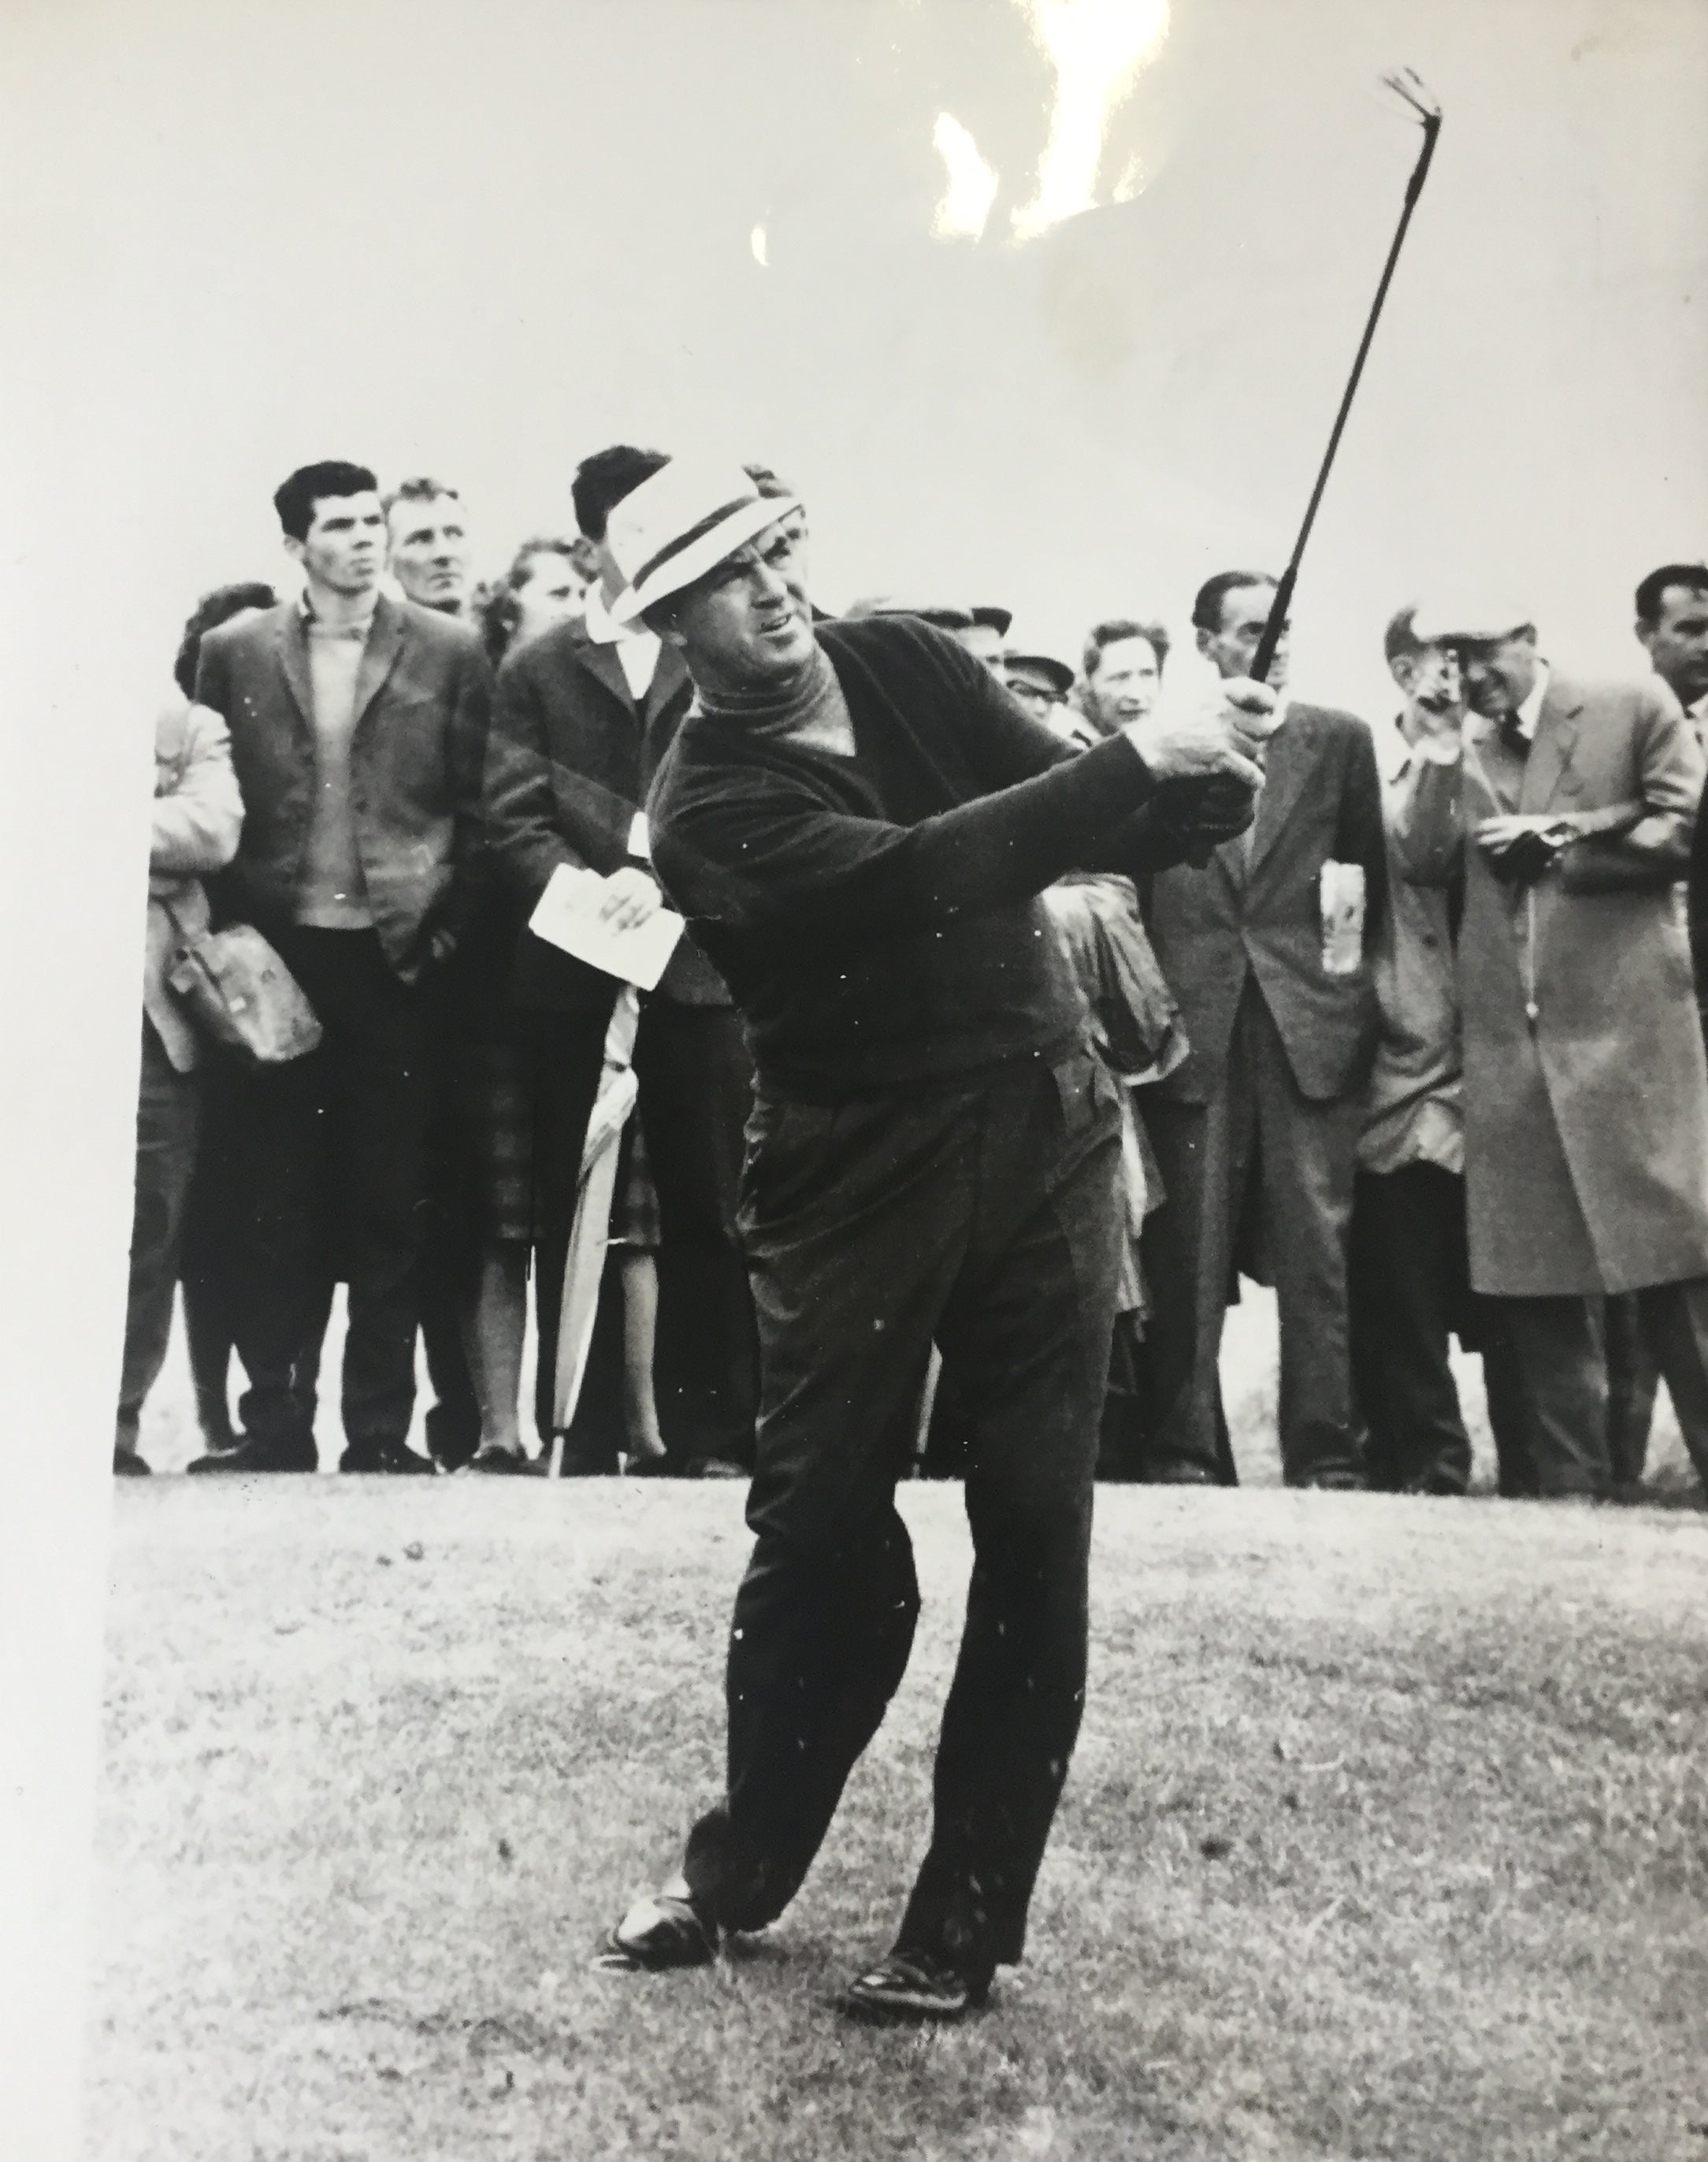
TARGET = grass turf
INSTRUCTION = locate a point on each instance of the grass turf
(1384, 1838)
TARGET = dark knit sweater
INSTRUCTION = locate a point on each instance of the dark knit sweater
(877, 917)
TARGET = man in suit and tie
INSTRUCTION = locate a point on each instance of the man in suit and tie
(1258, 1130)
(356, 722)
(583, 715)
(1569, 808)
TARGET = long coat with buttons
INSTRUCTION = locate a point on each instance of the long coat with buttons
(1586, 1090)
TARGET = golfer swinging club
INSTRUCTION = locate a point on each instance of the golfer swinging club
(857, 821)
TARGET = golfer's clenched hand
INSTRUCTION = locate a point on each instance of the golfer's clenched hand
(1222, 734)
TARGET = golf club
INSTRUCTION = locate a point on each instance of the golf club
(1410, 88)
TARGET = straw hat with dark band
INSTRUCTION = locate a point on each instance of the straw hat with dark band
(682, 523)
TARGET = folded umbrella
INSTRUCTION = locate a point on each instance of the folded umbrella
(590, 1234)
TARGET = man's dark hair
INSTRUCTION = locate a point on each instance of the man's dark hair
(1652, 591)
(1112, 633)
(602, 481)
(770, 484)
(209, 613)
(1207, 609)
(294, 500)
(418, 488)
(1400, 641)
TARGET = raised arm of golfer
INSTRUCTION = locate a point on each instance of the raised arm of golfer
(874, 907)
(795, 846)
(858, 822)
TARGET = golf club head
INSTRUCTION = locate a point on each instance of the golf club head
(1412, 91)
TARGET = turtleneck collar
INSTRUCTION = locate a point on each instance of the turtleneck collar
(810, 709)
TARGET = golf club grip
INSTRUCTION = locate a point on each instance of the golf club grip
(1263, 659)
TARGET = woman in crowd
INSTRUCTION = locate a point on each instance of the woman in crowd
(546, 584)
(543, 587)
(198, 816)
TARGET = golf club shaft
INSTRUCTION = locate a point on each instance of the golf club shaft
(1264, 658)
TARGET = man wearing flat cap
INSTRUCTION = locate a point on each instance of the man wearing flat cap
(1041, 684)
(1569, 808)
(858, 821)
(983, 637)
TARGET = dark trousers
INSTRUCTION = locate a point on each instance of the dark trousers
(1259, 1141)
(1557, 1444)
(449, 1271)
(1674, 1320)
(449, 1277)
(692, 1066)
(446, 1295)
(1634, 1376)
(212, 1262)
(989, 1219)
(1409, 1292)
(213, 1247)
(1120, 1450)
(335, 1164)
(445, 1291)
(1559, 1349)
(168, 1103)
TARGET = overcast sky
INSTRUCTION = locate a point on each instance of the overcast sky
(486, 238)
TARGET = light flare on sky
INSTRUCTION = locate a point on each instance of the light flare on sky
(761, 249)
(972, 184)
(1096, 48)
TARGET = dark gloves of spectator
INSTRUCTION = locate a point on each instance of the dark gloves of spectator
(1522, 846)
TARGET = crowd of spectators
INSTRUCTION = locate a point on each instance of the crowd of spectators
(1421, 1047)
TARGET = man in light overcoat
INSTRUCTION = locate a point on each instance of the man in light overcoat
(1570, 806)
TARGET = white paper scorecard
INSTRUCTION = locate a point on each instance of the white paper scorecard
(568, 916)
